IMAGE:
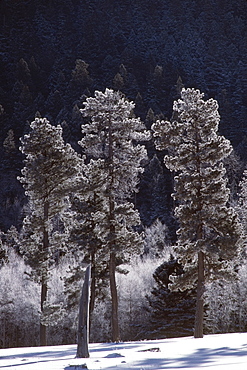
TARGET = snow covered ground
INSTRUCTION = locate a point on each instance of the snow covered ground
(226, 351)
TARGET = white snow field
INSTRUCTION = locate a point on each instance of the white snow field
(225, 351)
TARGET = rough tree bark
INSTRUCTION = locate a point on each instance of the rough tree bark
(92, 285)
(114, 296)
(83, 324)
(112, 244)
(198, 333)
(42, 335)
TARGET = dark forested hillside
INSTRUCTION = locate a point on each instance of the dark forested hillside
(54, 52)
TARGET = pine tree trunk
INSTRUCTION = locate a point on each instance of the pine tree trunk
(3, 332)
(93, 285)
(93, 274)
(43, 340)
(114, 297)
(112, 246)
(42, 333)
(198, 333)
(83, 324)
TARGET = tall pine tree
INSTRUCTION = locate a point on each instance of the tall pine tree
(52, 171)
(209, 228)
(112, 139)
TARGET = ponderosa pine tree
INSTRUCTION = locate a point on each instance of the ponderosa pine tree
(112, 139)
(209, 228)
(52, 171)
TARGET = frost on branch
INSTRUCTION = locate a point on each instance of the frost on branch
(209, 229)
(52, 171)
(111, 142)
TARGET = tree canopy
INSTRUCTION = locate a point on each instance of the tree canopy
(208, 228)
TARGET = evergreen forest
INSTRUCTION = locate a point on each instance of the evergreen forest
(123, 145)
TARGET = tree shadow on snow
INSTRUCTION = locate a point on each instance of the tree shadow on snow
(106, 347)
(41, 354)
(37, 357)
(76, 367)
(201, 357)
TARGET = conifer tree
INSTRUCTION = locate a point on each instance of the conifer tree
(9, 142)
(172, 313)
(111, 139)
(52, 171)
(209, 229)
